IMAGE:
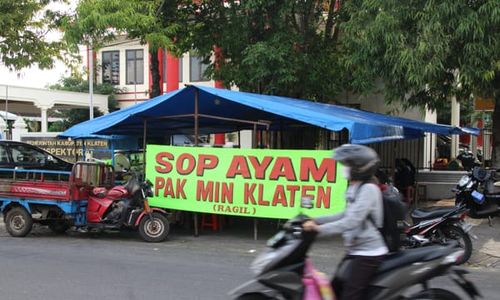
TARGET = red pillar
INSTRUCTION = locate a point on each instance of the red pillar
(172, 72)
(161, 62)
(220, 138)
(480, 137)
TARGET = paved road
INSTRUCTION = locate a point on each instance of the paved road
(120, 266)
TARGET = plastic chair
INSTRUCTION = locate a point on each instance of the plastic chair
(210, 221)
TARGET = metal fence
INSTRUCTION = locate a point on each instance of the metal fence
(389, 151)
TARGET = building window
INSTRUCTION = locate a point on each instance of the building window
(197, 69)
(135, 66)
(111, 67)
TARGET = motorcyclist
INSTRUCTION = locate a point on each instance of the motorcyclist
(358, 224)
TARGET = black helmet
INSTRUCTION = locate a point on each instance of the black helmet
(362, 160)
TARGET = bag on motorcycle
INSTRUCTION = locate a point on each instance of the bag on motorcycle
(394, 217)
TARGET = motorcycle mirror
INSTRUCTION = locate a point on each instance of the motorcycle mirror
(306, 202)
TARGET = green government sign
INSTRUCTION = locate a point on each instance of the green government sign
(244, 182)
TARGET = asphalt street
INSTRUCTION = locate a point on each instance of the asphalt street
(121, 266)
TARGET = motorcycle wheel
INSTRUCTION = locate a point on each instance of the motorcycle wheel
(155, 230)
(435, 294)
(463, 239)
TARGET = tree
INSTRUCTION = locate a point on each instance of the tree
(24, 27)
(275, 47)
(100, 21)
(425, 51)
(77, 115)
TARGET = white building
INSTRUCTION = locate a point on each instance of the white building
(125, 63)
(35, 102)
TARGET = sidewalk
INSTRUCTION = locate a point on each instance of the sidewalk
(486, 248)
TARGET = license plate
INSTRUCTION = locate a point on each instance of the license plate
(466, 227)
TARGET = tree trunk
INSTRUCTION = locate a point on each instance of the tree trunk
(155, 73)
(496, 133)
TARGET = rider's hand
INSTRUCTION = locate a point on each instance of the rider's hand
(310, 225)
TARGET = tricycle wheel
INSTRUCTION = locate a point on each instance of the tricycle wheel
(59, 226)
(18, 222)
(155, 228)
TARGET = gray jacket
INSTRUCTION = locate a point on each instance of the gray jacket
(359, 233)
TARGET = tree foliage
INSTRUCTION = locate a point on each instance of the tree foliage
(425, 51)
(273, 47)
(23, 36)
(77, 115)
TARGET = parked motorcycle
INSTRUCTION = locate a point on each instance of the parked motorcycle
(126, 206)
(283, 271)
(479, 191)
(438, 226)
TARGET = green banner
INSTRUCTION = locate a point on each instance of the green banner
(244, 182)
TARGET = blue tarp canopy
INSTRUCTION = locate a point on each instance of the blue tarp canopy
(220, 110)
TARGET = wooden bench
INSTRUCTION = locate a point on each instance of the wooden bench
(435, 178)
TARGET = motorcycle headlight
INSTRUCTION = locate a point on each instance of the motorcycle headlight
(464, 181)
(470, 184)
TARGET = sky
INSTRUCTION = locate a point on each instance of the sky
(35, 77)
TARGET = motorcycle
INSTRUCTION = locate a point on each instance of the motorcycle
(438, 226)
(479, 191)
(283, 271)
(126, 206)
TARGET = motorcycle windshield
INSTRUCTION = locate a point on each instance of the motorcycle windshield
(271, 257)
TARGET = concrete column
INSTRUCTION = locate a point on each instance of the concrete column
(430, 141)
(45, 121)
(3, 128)
(455, 121)
(473, 139)
(19, 128)
(246, 139)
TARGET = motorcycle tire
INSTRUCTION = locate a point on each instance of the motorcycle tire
(435, 294)
(154, 231)
(253, 296)
(457, 234)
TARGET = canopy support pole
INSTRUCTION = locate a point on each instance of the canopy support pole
(144, 135)
(239, 138)
(254, 136)
(196, 117)
(430, 152)
(281, 141)
(196, 136)
(112, 141)
(75, 146)
(84, 149)
(254, 145)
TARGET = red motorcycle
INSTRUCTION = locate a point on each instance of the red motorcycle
(127, 206)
